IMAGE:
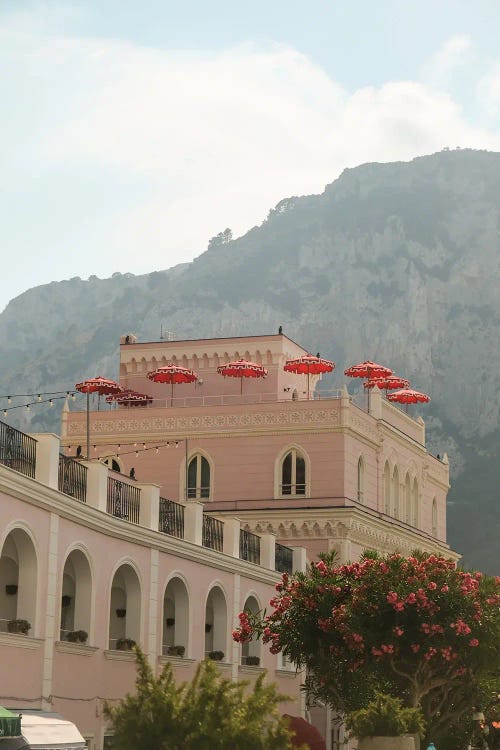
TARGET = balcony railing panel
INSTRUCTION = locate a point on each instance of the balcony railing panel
(124, 500)
(17, 450)
(213, 533)
(249, 546)
(283, 559)
(171, 518)
(72, 478)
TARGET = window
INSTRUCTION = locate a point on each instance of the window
(434, 518)
(414, 515)
(293, 474)
(361, 480)
(387, 489)
(198, 477)
(113, 464)
(395, 492)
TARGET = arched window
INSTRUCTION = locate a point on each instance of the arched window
(76, 599)
(250, 651)
(198, 477)
(414, 503)
(408, 498)
(125, 607)
(175, 619)
(216, 622)
(18, 581)
(293, 474)
(361, 480)
(395, 492)
(113, 464)
(434, 518)
(387, 489)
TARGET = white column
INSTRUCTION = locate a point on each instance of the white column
(97, 484)
(151, 640)
(51, 612)
(268, 551)
(376, 403)
(193, 522)
(299, 559)
(231, 544)
(47, 458)
(150, 505)
(235, 651)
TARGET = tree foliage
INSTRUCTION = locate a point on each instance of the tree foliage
(222, 238)
(414, 627)
(210, 713)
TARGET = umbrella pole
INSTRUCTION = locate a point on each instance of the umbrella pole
(88, 428)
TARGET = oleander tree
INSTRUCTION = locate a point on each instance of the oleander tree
(209, 713)
(416, 627)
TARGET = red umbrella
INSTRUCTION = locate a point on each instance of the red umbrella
(242, 368)
(370, 371)
(309, 365)
(172, 374)
(129, 397)
(408, 396)
(304, 733)
(390, 383)
(101, 386)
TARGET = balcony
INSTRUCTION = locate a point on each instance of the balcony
(171, 518)
(17, 450)
(72, 479)
(249, 547)
(213, 533)
(123, 500)
(283, 559)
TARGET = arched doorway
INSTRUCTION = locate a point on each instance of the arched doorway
(251, 651)
(18, 582)
(125, 607)
(76, 597)
(175, 619)
(216, 622)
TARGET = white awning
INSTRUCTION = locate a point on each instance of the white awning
(48, 731)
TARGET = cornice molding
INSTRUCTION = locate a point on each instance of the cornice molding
(116, 655)
(175, 661)
(80, 649)
(20, 641)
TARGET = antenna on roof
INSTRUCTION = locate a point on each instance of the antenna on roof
(161, 331)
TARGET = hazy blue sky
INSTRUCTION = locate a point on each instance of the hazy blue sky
(131, 131)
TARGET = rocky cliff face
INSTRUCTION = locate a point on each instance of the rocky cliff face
(395, 262)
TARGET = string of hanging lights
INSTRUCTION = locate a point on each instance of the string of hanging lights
(38, 401)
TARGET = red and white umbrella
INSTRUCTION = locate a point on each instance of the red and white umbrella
(368, 370)
(101, 386)
(309, 365)
(390, 383)
(128, 396)
(172, 374)
(242, 368)
(409, 396)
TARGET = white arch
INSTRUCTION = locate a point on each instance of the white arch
(407, 498)
(24, 603)
(182, 477)
(434, 517)
(251, 649)
(361, 480)
(79, 614)
(175, 609)
(395, 492)
(415, 502)
(129, 625)
(216, 616)
(278, 463)
(387, 487)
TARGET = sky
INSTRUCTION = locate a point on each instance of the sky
(132, 131)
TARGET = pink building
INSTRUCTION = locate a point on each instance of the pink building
(232, 485)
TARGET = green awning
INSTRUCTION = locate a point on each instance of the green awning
(10, 724)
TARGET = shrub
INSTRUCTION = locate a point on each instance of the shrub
(385, 717)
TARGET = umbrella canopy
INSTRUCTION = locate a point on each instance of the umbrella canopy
(304, 733)
(172, 374)
(242, 368)
(10, 724)
(308, 365)
(128, 397)
(100, 385)
(408, 396)
(390, 383)
(369, 370)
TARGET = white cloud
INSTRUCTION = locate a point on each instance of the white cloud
(453, 55)
(489, 90)
(206, 141)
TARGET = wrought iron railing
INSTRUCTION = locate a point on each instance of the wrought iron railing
(124, 500)
(249, 546)
(17, 450)
(171, 518)
(283, 559)
(72, 478)
(213, 533)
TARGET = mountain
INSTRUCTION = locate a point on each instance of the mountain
(394, 262)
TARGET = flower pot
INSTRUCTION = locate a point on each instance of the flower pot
(125, 644)
(216, 655)
(208, 627)
(121, 612)
(170, 622)
(176, 651)
(65, 601)
(252, 661)
(18, 626)
(406, 742)
(11, 589)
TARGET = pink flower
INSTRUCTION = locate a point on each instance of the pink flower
(415, 647)
(445, 589)
(432, 586)
(473, 642)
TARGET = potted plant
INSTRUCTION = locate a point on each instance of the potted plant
(216, 655)
(19, 626)
(11, 589)
(170, 622)
(125, 644)
(385, 725)
(65, 601)
(208, 627)
(252, 661)
(121, 612)
(176, 651)
(77, 636)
